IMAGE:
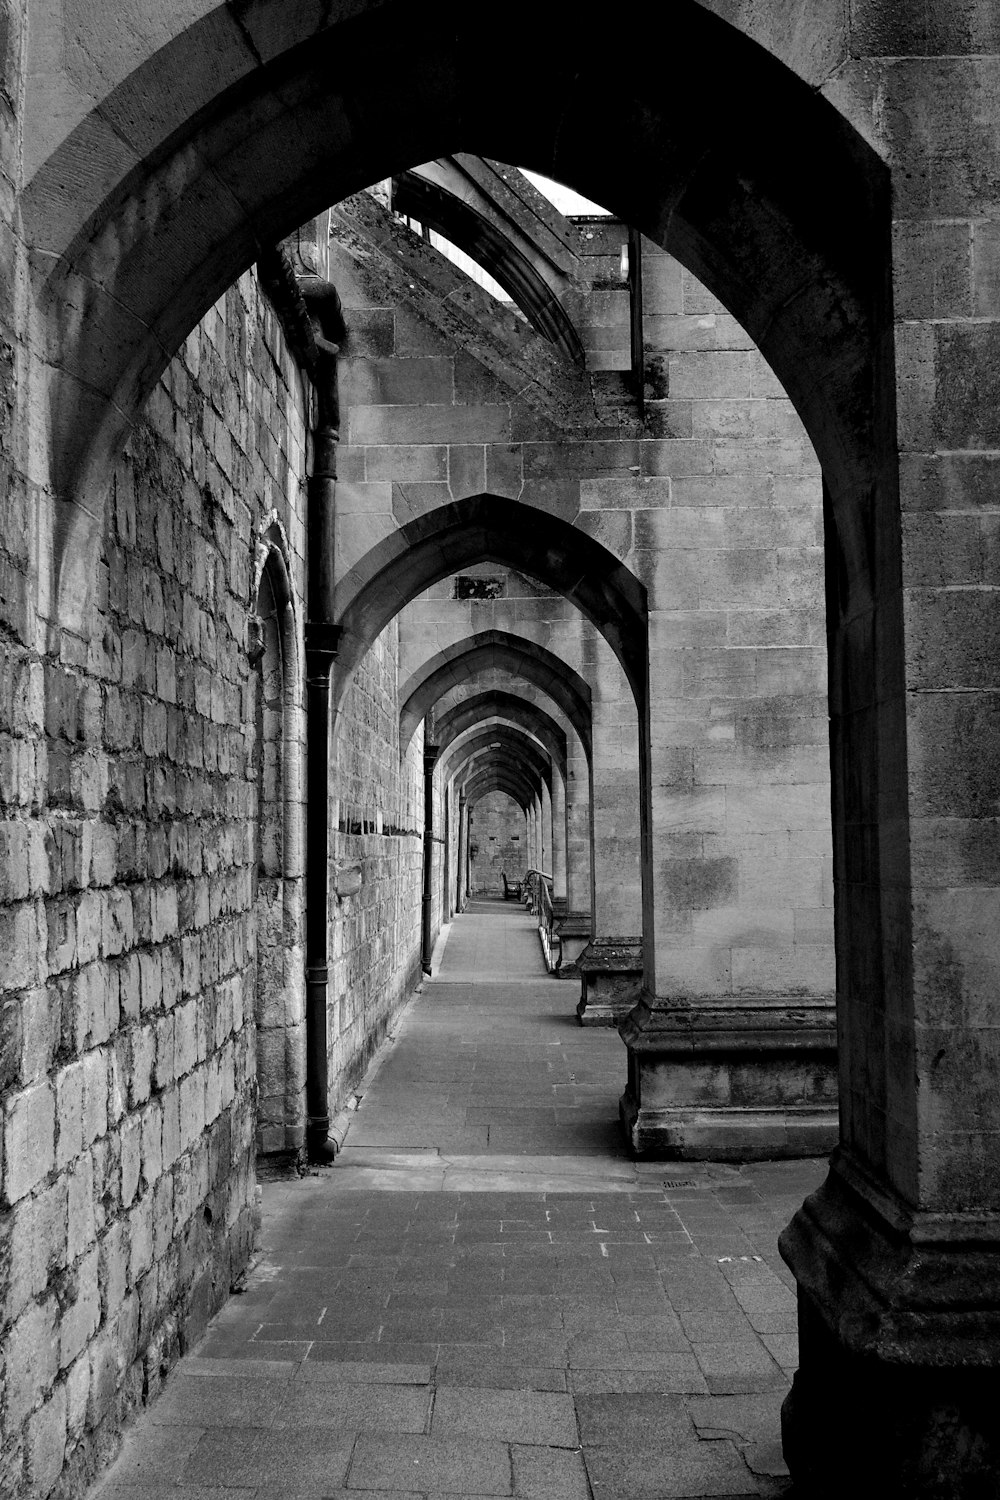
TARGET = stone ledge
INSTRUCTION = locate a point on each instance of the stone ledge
(573, 929)
(738, 1134)
(727, 1023)
(731, 1077)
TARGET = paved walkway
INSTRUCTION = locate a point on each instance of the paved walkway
(485, 1297)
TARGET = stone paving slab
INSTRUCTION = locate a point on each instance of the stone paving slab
(538, 1322)
(468, 1465)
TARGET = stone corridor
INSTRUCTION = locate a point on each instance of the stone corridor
(485, 1296)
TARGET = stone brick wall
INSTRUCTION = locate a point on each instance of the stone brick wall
(127, 946)
(15, 527)
(498, 838)
(377, 818)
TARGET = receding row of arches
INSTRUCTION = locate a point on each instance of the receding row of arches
(164, 179)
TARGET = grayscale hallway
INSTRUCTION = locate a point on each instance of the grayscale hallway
(485, 1296)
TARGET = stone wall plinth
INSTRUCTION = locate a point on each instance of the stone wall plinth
(611, 980)
(732, 1079)
(573, 929)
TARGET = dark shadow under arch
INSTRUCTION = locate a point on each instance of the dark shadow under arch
(485, 651)
(500, 705)
(512, 748)
(498, 780)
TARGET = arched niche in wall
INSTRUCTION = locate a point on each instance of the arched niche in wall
(278, 857)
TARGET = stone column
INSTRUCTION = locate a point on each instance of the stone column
(897, 1256)
(733, 1050)
(545, 828)
(576, 927)
(558, 839)
(579, 880)
(611, 964)
(615, 809)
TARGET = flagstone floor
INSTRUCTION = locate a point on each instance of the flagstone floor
(485, 1296)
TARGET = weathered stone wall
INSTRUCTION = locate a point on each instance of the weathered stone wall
(15, 510)
(127, 945)
(497, 844)
(377, 821)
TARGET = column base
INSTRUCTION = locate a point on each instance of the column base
(573, 929)
(898, 1386)
(731, 1078)
(610, 980)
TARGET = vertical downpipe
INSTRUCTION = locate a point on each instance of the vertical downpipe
(310, 310)
(426, 929)
(321, 651)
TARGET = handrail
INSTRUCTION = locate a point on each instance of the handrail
(538, 896)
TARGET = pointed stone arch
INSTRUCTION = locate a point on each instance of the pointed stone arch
(279, 863)
(486, 650)
(488, 528)
(505, 746)
(500, 779)
(786, 219)
(503, 707)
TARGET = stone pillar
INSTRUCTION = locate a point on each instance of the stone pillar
(576, 927)
(545, 826)
(558, 839)
(732, 1053)
(617, 870)
(897, 1256)
(613, 982)
(579, 879)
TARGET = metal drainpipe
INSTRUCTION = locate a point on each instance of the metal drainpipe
(311, 316)
(323, 309)
(430, 757)
(321, 651)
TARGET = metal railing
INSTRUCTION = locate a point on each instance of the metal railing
(537, 898)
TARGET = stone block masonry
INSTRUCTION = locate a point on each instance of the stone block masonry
(127, 946)
(378, 825)
(497, 844)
